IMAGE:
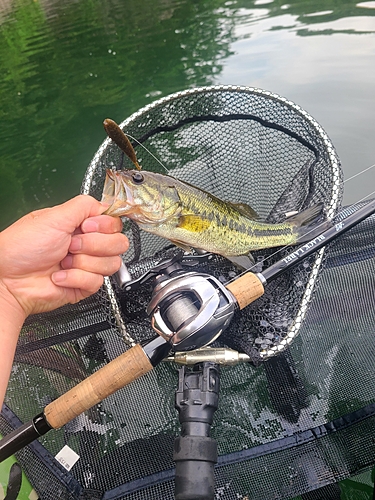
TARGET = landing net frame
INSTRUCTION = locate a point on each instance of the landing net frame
(140, 121)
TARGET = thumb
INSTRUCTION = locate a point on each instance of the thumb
(73, 212)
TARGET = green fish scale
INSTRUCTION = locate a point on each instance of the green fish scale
(229, 232)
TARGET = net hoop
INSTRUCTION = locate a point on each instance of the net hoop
(331, 209)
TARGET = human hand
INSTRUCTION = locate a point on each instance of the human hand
(58, 255)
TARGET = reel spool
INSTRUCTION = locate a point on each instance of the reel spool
(243, 145)
(191, 310)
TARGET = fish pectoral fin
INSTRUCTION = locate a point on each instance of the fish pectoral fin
(245, 210)
(193, 223)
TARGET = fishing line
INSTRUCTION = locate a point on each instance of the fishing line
(148, 151)
(166, 169)
(358, 174)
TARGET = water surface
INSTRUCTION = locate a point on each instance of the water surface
(65, 66)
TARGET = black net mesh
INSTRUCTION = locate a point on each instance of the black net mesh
(295, 424)
(242, 145)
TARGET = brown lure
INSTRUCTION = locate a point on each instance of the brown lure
(118, 137)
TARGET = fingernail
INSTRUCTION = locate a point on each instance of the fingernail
(67, 263)
(59, 276)
(75, 244)
(90, 226)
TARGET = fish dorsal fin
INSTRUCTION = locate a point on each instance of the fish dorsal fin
(244, 209)
(193, 223)
(306, 216)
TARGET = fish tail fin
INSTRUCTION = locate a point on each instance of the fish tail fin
(306, 216)
(308, 227)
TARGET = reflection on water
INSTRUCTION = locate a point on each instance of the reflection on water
(323, 59)
(65, 66)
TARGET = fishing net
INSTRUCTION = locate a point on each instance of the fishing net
(243, 146)
(294, 420)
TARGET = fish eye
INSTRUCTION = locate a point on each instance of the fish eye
(138, 177)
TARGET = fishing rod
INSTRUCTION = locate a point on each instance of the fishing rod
(181, 332)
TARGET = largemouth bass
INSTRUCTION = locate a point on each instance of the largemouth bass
(191, 217)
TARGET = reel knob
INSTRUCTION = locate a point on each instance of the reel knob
(190, 310)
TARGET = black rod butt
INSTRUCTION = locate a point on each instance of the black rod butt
(24, 435)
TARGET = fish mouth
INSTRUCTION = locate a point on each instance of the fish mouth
(116, 194)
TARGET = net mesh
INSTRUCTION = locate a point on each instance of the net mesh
(242, 145)
(293, 425)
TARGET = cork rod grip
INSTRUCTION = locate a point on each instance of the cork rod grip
(121, 371)
(246, 289)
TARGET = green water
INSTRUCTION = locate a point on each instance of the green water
(65, 66)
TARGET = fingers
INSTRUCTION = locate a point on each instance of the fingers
(72, 213)
(99, 244)
(102, 224)
(94, 248)
(78, 283)
(105, 266)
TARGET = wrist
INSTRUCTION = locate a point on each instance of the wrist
(12, 317)
(10, 308)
